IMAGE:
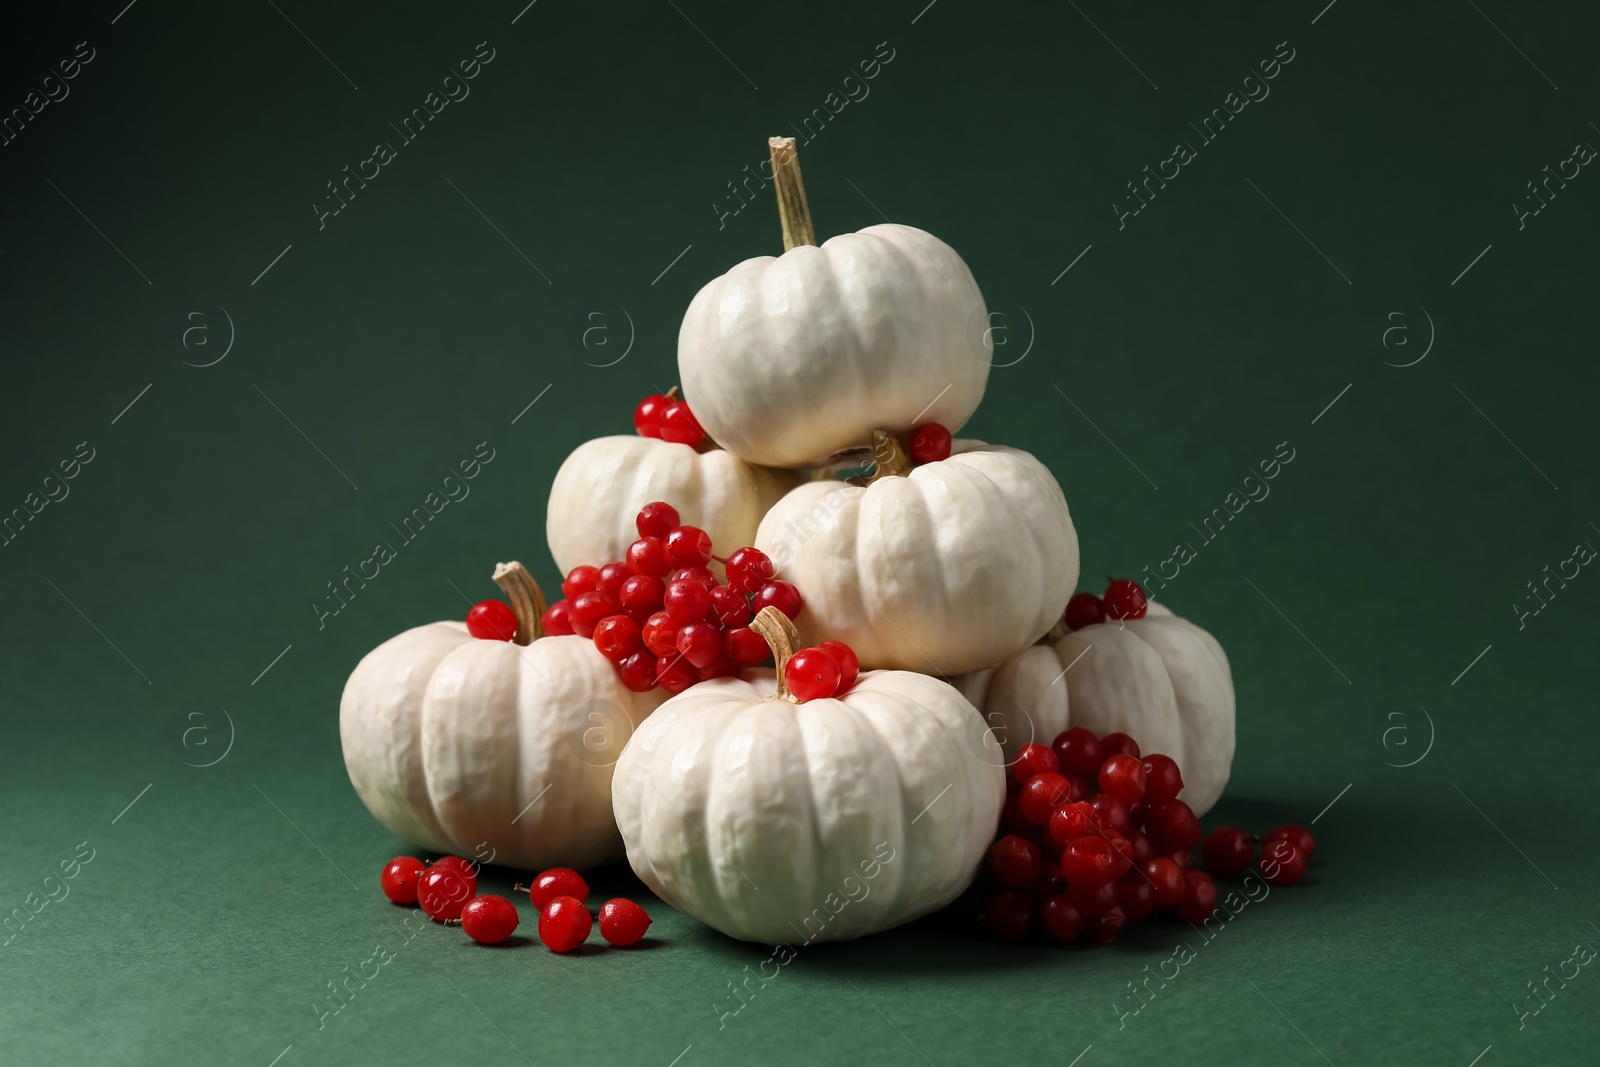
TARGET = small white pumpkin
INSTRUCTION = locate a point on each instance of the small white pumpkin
(496, 750)
(779, 822)
(600, 488)
(1161, 680)
(943, 568)
(787, 360)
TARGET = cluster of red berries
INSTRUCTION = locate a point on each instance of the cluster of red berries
(1077, 865)
(447, 889)
(1123, 599)
(824, 670)
(667, 418)
(1285, 850)
(929, 443)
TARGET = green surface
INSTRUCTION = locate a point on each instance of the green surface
(1197, 337)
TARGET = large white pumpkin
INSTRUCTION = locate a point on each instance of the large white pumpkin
(600, 488)
(1161, 680)
(493, 750)
(949, 568)
(779, 822)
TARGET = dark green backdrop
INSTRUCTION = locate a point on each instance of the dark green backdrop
(142, 610)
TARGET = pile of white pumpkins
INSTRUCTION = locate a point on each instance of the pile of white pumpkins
(733, 802)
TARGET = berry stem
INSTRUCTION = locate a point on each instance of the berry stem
(527, 600)
(794, 214)
(889, 458)
(782, 637)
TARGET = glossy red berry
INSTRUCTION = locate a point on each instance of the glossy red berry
(1299, 836)
(1172, 826)
(1227, 851)
(399, 879)
(1084, 609)
(1180, 857)
(1077, 819)
(648, 555)
(617, 637)
(686, 601)
(622, 922)
(647, 415)
(1113, 813)
(492, 620)
(587, 610)
(748, 569)
(702, 575)
(1032, 760)
(1009, 915)
(1088, 861)
(675, 673)
(1061, 921)
(656, 519)
(1199, 898)
(583, 579)
(641, 596)
(1282, 862)
(700, 643)
(1167, 878)
(1125, 600)
(688, 546)
(1078, 752)
(780, 595)
(1123, 777)
(1135, 896)
(746, 647)
(929, 443)
(557, 620)
(638, 671)
(556, 882)
(849, 664)
(468, 870)
(1162, 779)
(660, 634)
(723, 668)
(1106, 929)
(488, 919)
(730, 607)
(1093, 901)
(1014, 860)
(679, 425)
(1112, 744)
(1042, 795)
(610, 580)
(812, 674)
(1142, 849)
(1122, 848)
(443, 891)
(564, 924)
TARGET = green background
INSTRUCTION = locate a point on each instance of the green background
(599, 141)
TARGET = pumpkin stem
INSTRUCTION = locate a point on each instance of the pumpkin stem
(527, 600)
(889, 459)
(794, 214)
(782, 638)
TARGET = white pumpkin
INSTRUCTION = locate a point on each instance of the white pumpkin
(788, 360)
(948, 568)
(493, 750)
(1161, 680)
(779, 822)
(601, 487)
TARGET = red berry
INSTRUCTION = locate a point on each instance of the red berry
(730, 606)
(1113, 812)
(1088, 861)
(648, 555)
(688, 546)
(557, 619)
(749, 569)
(587, 610)
(1049, 881)
(399, 879)
(675, 673)
(443, 891)
(1095, 901)
(1282, 862)
(1142, 849)
(1199, 898)
(610, 580)
(1123, 848)
(702, 575)
(1078, 752)
(700, 643)
(1125, 600)
(1162, 779)
(1172, 826)
(556, 882)
(1227, 851)
(1299, 836)
(781, 595)
(1112, 744)
(638, 671)
(492, 620)
(679, 425)
(647, 415)
(622, 922)
(660, 634)
(930, 443)
(812, 674)
(1060, 919)
(641, 596)
(746, 647)
(564, 924)
(1180, 857)
(489, 919)
(1167, 878)
(617, 637)
(1032, 760)
(723, 668)
(1015, 860)
(1077, 819)
(1135, 896)
(686, 601)
(469, 871)
(1106, 929)
(1123, 777)
(1009, 915)
(1042, 795)
(1084, 609)
(656, 519)
(849, 664)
